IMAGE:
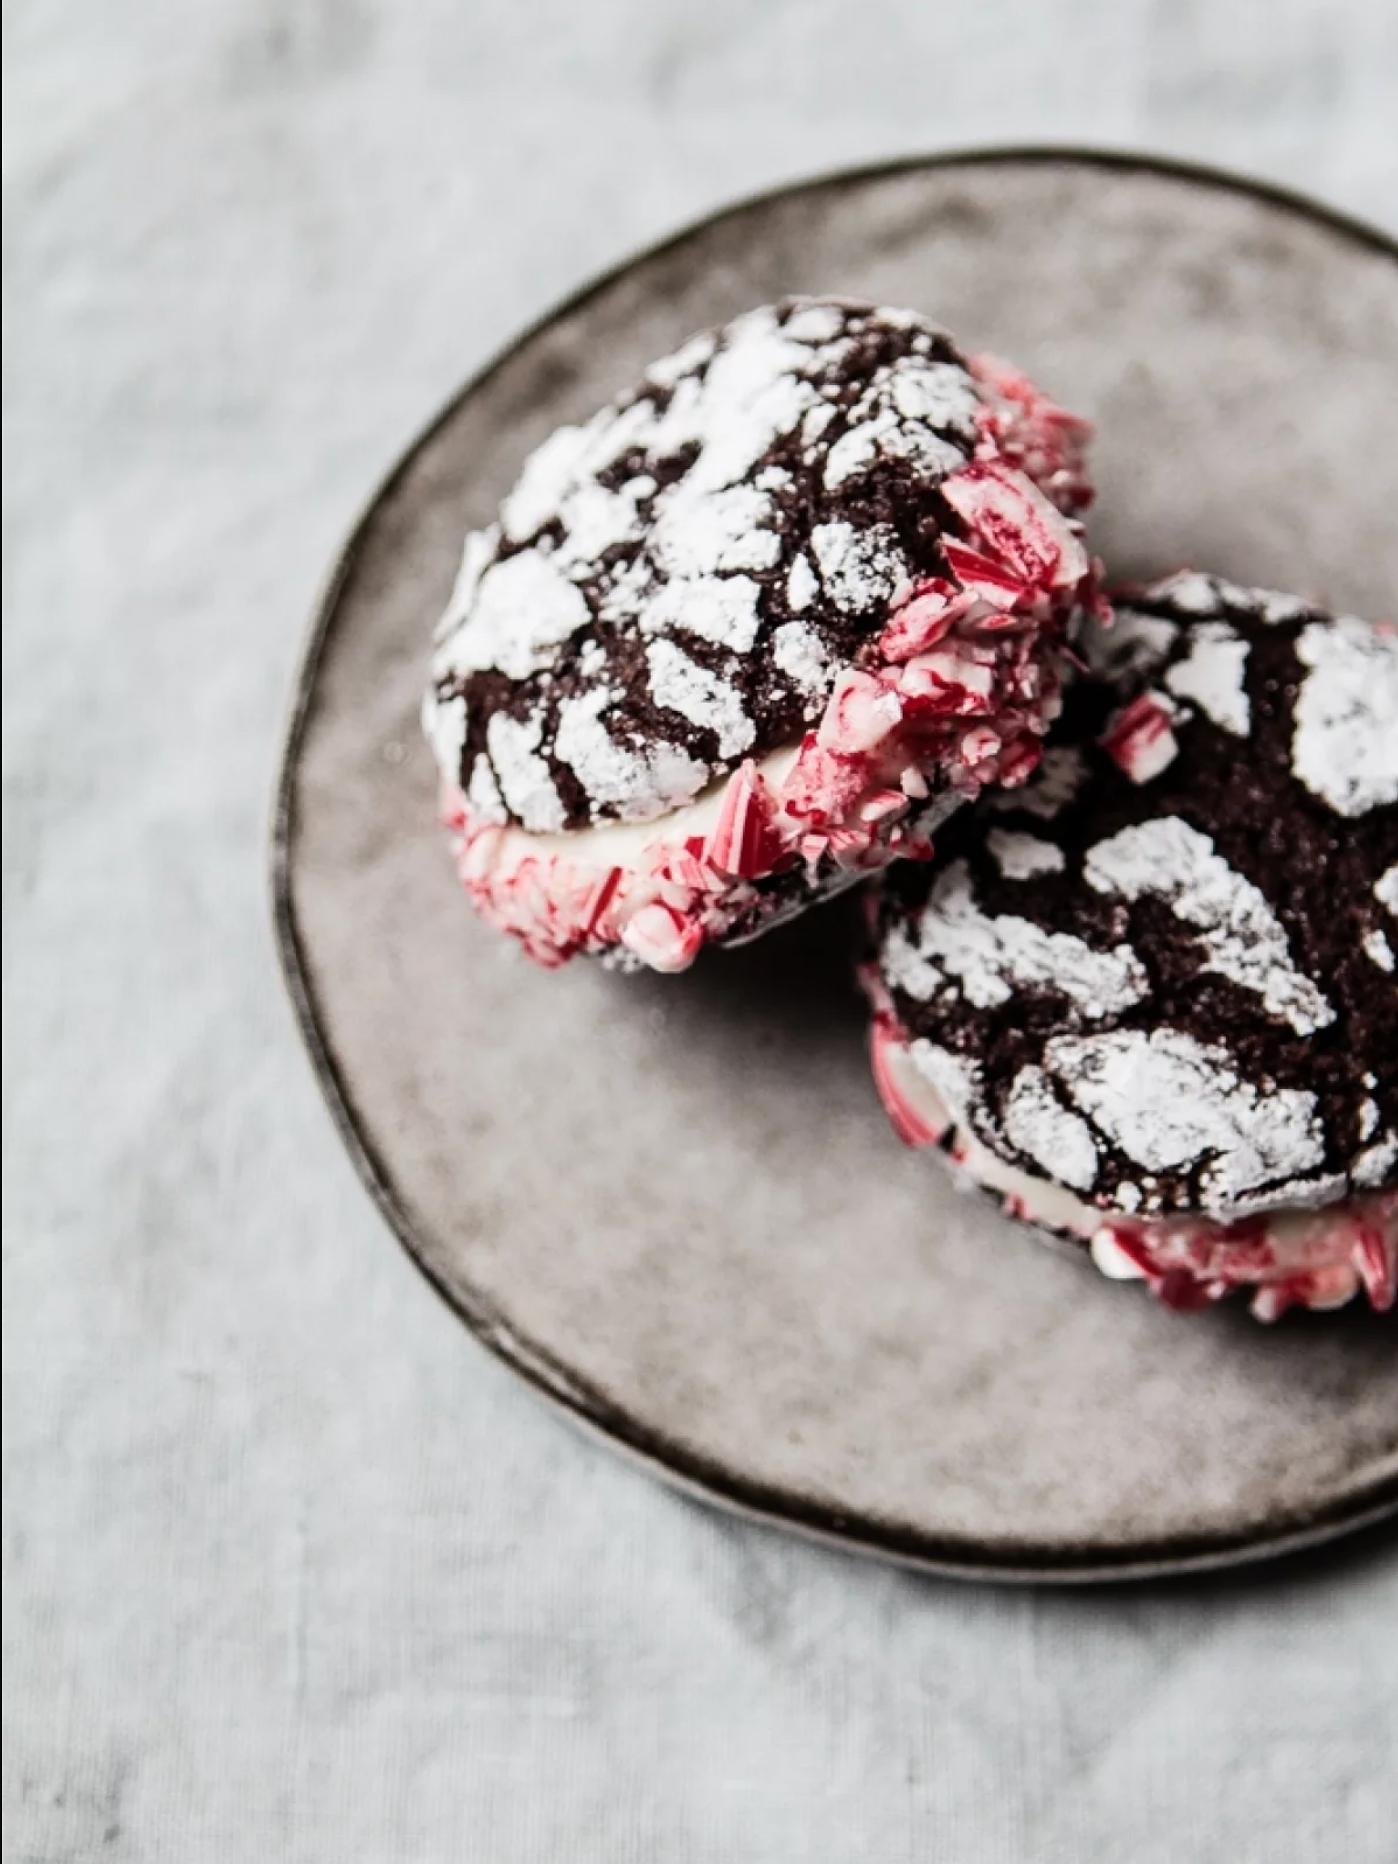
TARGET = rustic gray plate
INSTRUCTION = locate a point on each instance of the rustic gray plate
(673, 1205)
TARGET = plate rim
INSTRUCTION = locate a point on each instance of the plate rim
(582, 1404)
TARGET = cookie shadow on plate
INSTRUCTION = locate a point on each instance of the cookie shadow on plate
(797, 981)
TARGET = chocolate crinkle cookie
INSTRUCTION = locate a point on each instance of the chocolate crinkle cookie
(1150, 1001)
(753, 631)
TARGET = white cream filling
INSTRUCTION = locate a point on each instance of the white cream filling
(629, 844)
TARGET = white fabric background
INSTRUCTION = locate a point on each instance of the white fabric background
(294, 1571)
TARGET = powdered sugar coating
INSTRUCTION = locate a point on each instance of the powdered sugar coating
(955, 947)
(718, 609)
(1256, 1066)
(1171, 1102)
(1241, 937)
(1212, 674)
(611, 771)
(521, 611)
(682, 685)
(797, 651)
(1377, 1164)
(1038, 1125)
(1345, 748)
(783, 468)
(525, 786)
(483, 793)
(802, 585)
(444, 727)
(861, 567)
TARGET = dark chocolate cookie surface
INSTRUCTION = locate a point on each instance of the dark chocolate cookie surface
(1163, 975)
(674, 586)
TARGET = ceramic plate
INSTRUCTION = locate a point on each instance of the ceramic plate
(673, 1204)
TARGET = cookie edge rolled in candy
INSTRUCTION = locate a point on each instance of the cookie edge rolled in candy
(951, 692)
(1315, 1254)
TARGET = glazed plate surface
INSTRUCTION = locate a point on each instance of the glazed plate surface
(673, 1204)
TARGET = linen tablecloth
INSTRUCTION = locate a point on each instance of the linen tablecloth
(293, 1569)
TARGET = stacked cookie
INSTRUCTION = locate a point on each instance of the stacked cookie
(806, 601)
